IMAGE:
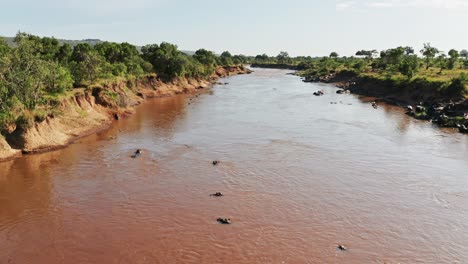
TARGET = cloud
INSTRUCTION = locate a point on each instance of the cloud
(433, 4)
(340, 6)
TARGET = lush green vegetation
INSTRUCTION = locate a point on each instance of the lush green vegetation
(400, 64)
(35, 72)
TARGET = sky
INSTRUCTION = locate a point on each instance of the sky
(250, 27)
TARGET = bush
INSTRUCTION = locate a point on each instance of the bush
(25, 121)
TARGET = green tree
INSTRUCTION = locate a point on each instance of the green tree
(283, 57)
(87, 65)
(429, 53)
(164, 58)
(57, 78)
(207, 59)
(409, 66)
(239, 59)
(23, 71)
(464, 54)
(109, 51)
(333, 55)
(262, 58)
(369, 54)
(226, 58)
(50, 48)
(64, 54)
(409, 50)
(393, 56)
(442, 62)
(4, 48)
(454, 55)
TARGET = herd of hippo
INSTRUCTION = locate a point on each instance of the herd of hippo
(224, 221)
(442, 114)
(221, 220)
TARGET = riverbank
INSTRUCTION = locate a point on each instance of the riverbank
(442, 103)
(89, 110)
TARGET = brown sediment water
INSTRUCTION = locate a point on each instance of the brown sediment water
(299, 175)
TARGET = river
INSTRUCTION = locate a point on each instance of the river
(299, 175)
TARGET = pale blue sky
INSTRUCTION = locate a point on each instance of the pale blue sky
(301, 27)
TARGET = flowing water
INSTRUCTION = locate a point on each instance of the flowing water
(299, 175)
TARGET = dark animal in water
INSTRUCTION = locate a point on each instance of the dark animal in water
(215, 162)
(318, 93)
(374, 104)
(224, 221)
(342, 248)
(218, 194)
(138, 153)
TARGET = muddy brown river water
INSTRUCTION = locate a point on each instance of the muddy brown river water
(299, 175)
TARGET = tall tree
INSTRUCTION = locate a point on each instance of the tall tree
(226, 58)
(464, 54)
(429, 53)
(409, 66)
(87, 64)
(454, 55)
(283, 57)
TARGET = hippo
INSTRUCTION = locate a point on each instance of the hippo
(137, 153)
(224, 221)
(215, 162)
(341, 91)
(217, 194)
(342, 248)
(318, 93)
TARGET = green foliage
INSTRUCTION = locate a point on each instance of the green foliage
(464, 54)
(369, 54)
(58, 78)
(207, 59)
(429, 53)
(333, 55)
(4, 48)
(86, 65)
(409, 66)
(170, 63)
(283, 58)
(392, 56)
(359, 66)
(23, 72)
(38, 71)
(164, 58)
(226, 59)
(454, 55)
(457, 85)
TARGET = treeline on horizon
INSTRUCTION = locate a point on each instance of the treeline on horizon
(395, 63)
(36, 70)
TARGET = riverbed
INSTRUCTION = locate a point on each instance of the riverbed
(300, 175)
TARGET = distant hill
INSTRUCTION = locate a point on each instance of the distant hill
(92, 42)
